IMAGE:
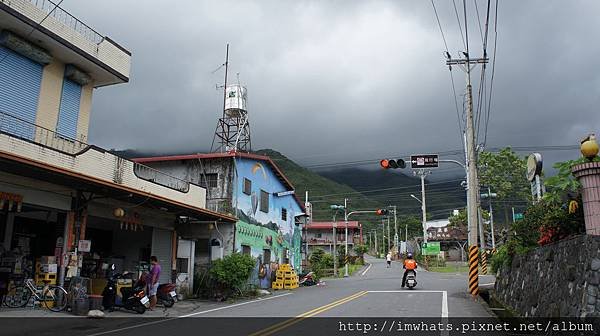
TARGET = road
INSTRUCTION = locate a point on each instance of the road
(373, 292)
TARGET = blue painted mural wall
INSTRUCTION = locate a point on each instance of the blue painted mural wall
(285, 234)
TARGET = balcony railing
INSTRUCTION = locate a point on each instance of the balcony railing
(67, 19)
(19, 128)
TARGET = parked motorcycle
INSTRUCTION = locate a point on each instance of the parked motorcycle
(411, 279)
(166, 294)
(307, 279)
(132, 298)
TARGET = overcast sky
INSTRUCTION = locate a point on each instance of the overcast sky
(333, 81)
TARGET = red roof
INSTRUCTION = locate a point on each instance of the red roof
(329, 225)
(209, 156)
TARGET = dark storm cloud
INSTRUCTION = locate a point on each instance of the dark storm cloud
(343, 80)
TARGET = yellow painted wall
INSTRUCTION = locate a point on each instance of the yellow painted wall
(49, 102)
(85, 108)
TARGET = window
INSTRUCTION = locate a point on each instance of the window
(266, 256)
(283, 214)
(246, 249)
(69, 109)
(247, 186)
(209, 180)
(318, 235)
(182, 265)
(264, 201)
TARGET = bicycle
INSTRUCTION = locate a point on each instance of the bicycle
(54, 297)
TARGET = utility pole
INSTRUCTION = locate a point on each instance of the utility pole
(396, 231)
(422, 173)
(376, 249)
(383, 235)
(389, 235)
(466, 63)
(334, 247)
(346, 251)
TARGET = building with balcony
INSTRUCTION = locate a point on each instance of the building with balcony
(252, 188)
(320, 235)
(63, 201)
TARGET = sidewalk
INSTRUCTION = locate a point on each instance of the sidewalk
(180, 308)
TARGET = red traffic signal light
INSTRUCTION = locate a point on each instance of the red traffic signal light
(381, 212)
(394, 164)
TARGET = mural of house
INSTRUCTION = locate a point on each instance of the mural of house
(253, 189)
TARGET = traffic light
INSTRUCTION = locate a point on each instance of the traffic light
(393, 164)
(381, 212)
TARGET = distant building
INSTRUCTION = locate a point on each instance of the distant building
(253, 189)
(320, 235)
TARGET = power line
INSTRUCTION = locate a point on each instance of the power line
(459, 25)
(493, 71)
(545, 148)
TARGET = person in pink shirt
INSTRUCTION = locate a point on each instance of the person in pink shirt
(152, 281)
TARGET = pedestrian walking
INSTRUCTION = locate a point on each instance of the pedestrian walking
(389, 259)
(152, 281)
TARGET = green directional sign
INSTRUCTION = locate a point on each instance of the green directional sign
(432, 248)
(517, 216)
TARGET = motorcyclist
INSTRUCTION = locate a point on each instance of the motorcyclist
(410, 265)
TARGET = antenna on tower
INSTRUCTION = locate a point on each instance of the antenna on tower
(233, 128)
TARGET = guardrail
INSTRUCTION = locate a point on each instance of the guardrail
(19, 128)
(67, 19)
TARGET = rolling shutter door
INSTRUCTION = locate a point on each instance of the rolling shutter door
(161, 248)
(69, 109)
(20, 82)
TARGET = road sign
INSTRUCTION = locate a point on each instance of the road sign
(517, 216)
(424, 161)
(431, 248)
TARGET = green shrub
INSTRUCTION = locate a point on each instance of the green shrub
(501, 258)
(233, 271)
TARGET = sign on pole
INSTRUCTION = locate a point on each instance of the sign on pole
(424, 161)
(431, 248)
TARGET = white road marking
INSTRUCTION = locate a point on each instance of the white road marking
(444, 297)
(188, 315)
(365, 271)
(488, 284)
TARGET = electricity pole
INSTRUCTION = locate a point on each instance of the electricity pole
(389, 236)
(467, 64)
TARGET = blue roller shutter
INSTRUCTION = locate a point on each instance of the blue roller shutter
(69, 109)
(20, 82)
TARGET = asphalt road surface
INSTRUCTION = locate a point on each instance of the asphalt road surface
(373, 292)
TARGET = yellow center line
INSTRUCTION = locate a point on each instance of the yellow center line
(287, 323)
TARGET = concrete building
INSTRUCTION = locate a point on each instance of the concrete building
(320, 235)
(253, 189)
(78, 206)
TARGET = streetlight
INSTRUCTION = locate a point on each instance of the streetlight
(336, 208)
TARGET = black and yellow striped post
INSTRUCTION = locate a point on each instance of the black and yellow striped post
(474, 270)
(484, 263)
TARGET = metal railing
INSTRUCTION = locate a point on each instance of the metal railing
(67, 19)
(22, 129)
(150, 174)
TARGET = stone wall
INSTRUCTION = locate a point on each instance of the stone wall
(556, 280)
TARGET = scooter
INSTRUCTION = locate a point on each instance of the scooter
(132, 298)
(166, 294)
(307, 279)
(411, 279)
